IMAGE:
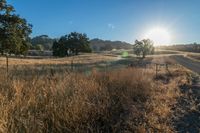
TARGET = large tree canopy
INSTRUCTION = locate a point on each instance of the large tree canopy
(71, 44)
(78, 42)
(143, 47)
(14, 30)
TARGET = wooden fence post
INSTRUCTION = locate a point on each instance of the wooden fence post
(7, 66)
(156, 70)
(167, 69)
(72, 65)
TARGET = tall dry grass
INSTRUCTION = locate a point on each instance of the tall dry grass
(123, 100)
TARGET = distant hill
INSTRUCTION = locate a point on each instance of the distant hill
(106, 45)
(96, 44)
(43, 40)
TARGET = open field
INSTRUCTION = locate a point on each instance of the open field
(114, 101)
(48, 95)
(85, 58)
(158, 52)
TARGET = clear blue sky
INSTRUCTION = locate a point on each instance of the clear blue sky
(124, 20)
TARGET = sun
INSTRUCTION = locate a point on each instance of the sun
(160, 36)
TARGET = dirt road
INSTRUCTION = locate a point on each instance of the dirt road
(188, 63)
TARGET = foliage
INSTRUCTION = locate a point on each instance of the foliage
(71, 44)
(143, 47)
(14, 30)
(59, 49)
(39, 47)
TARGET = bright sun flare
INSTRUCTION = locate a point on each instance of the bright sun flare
(159, 36)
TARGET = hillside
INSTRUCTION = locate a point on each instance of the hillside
(43, 40)
(95, 44)
(102, 45)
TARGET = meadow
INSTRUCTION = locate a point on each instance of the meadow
(45, 96)
(99, 66)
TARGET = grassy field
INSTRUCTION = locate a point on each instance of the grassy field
(158, 52)
(84, 58)
(37, 98)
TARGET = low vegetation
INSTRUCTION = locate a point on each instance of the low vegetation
(57, 100)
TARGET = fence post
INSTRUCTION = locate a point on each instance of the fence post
(167, 69)
(156, 70)
(72, 65)
(7, 66)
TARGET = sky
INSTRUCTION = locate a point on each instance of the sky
(124, 20)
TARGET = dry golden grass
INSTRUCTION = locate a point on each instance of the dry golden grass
(163, 60)
(125, 100)
(162, 52)
(164, 97)
(83, 58)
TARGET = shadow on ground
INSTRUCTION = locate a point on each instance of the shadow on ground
(186, 117)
